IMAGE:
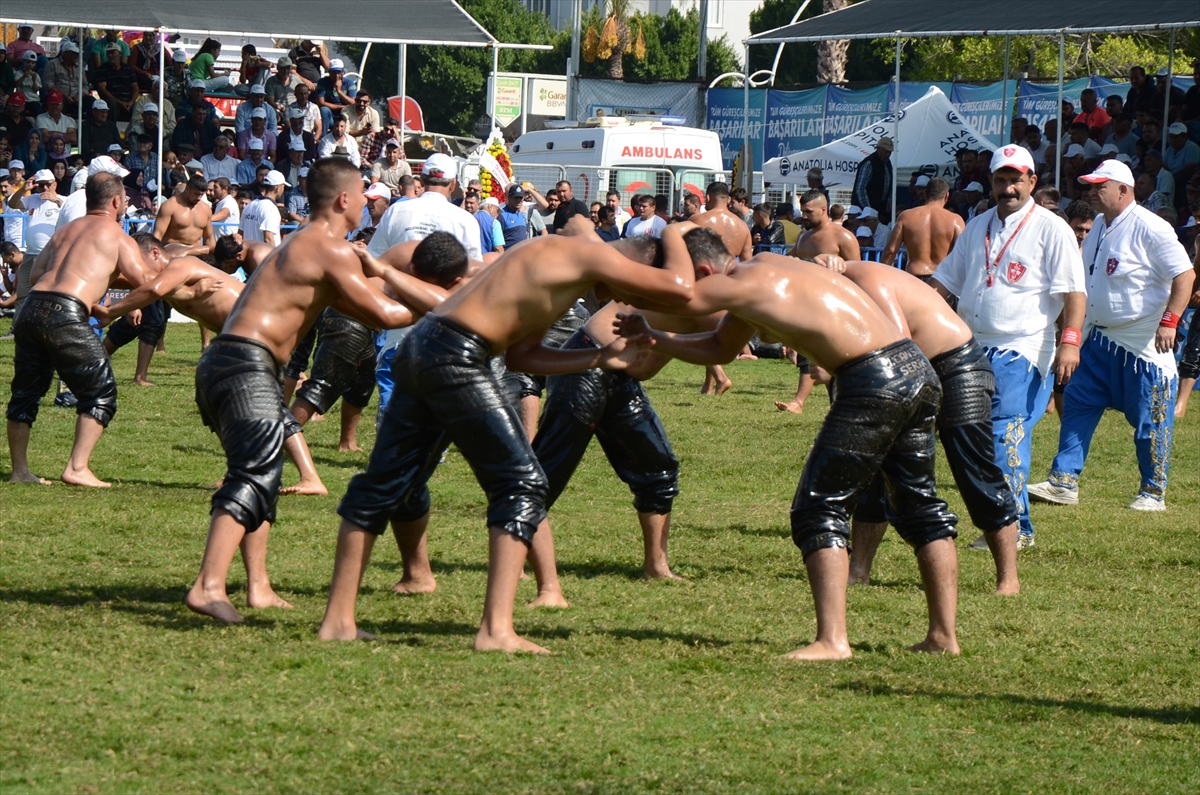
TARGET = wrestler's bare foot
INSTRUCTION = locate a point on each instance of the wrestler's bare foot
(317, 418)
(27, 477)
(1008, 588)
(858, 578)
(215, 606)
(143, 382)
(83, 477)
(821, 650)
(724, 386)
(509, 643)
(216, 484)
(261, 598)
(746, 357)
(791, 405)
(409, 586)
(660, 573)
(343, 632)
(935, 644)
(306, 487)
(549, 598)
(349, 447)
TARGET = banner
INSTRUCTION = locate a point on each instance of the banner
(848, 111)
(726, 118)
(795, 121)
(1038, 104)
(983, 107)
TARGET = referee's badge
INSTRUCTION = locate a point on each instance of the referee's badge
(1112, 265)
(1015, 271)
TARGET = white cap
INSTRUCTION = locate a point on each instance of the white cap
(257, 88)
(868, 212)
(1113, 170)
(394, 142)
(149, 107)
(378, 191)
(853, 210)
(303, 171)
(1074, 150)
(197, 83)
(444, 164)
(99, 105)
(258, 113)
(69, 46)
(974, 186)
(922, 181)
(30, 55)
(1191, 221)
(255, 143)
(864, 231)
(1109, 149)
(1124, 158)
(295, 113)
(1162, 72)
(116, 148)
(275, 179)
(1178, 128)
(44, 175)
(152, 186)
(1012, 156)
(179, 56)
(3, 173)
(336, 65)
(296, 144)
(15, 164)
(194, 165)
(491, 201)
(106, 165)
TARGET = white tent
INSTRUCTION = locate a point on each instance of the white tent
(931, 131)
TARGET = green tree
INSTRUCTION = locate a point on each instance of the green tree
(673, 49)
(798, 64)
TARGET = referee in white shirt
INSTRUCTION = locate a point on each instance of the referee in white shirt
(1139, 283)
(1015, 269)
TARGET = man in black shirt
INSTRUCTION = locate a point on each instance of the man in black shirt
(568, 206)
(1141, 91)
(766, 231)
(99, 131)
(117, 83)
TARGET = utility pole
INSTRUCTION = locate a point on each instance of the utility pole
(702, 59)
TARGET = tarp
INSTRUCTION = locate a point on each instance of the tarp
(395, 21)
(931, 131)
(885, 19)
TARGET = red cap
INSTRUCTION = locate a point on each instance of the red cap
(54, 96)
(17, 99)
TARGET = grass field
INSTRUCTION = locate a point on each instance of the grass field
(1087, 681)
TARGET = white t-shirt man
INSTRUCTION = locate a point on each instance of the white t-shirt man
(42, 220)
(261, 216)
(328, 143)
(1041, 265)
(45, 122)
(226, 168)
(235, 214)
(653, 227)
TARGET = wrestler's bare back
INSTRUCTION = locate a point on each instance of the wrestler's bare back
(210, 310)
(86, 257)
(733, 231)
(913, 306)
(829, 238)
(178, 223)
(928, 233)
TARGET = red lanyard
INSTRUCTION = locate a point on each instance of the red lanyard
(991, 265)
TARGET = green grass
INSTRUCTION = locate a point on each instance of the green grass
(1089, 680)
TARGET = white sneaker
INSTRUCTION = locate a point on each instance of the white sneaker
(1145, 502)
(1048, 492)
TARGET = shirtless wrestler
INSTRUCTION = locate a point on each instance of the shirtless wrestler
(206, 295)
(230, 253)
(821, 236)
(964, 420)
(187, 219)
(928, 232)
(736, 235)
(445, 392)
(239, 378)
(82, 260)
(885, 402)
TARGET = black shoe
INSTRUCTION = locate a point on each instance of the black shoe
(66, 400)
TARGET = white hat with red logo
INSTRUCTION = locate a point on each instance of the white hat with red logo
(1012, 156)
(1113, 170)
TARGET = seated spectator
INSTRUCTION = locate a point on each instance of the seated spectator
(195, 98)
(144, 59)
(1091, 115)
(607, 226)
(24, 43)
(138, 200)
(98, 132)
(766, 231)
(98, 54)
(254, 71)
(281, 87)
(116, 82)
(248, 168)
(57, 151)
(32, 153)
(62, 75)
(295, 199)
(339, 137)
(53, 120)
(330, 94)
(1182, 154)
(1174, 98)
(175, 173)
(203, 66)
(14, 121)
(28, 82)
(198, 131)
(391, 169)
(220, 162)
(256, 101)
(370, 147)
(146, 118)
(296, 157)
(1164, 180)
(311, 113)
(142, 157)
(361, 118)
(1122, 135)
(866, 238)
(1114, 106)
(259, 130)
(178, 78)
(1146, 194)
(648, 222)
(117, 152)
(294, 131)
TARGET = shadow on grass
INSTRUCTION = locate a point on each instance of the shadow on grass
(162, 484)
(194, 449)
(686, 638)
(341, 463)
(1169, 715)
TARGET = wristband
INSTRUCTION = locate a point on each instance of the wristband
(1071, 336)
(1170, 320)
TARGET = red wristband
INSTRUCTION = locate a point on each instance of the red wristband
(1170, 320)
(1071, 336)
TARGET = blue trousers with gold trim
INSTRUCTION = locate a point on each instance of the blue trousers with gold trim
(1109, 376)
(1020, 401)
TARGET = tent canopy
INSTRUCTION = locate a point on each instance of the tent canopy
(440, 22)
(931, 129)
(886, 19)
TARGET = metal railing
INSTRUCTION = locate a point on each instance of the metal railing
(868, 254)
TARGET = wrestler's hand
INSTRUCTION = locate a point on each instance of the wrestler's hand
(634, 325)
(372, 268)
(203, 288)
(1065, 362)
(831, 262)
(579, 226)
(623, 352)
(101, 314)
(135, 317)
(1164, 339)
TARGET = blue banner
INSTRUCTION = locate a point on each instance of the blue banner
(1038, 104)
(847, 112)
(911, 92)
(795, 121)
(983, 108)
(726, 115)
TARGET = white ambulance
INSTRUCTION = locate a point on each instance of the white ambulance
(615, 153)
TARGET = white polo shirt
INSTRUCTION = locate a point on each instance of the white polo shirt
(1131, 264)
(74, 207)
(654, 227)
(1039, 267)
(235, 213)
(43, 218)
(261, 216)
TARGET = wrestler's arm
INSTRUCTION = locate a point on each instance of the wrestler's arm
(670, 287)
(529, 355)
(848, 249)
(162, 221)
(747, 251)
(888, 257)
(709, 347)
(165, 284)
(208, 239)
(421, 297)
(131, 265)
(1177, 303)
(581, 228)
(357, 297)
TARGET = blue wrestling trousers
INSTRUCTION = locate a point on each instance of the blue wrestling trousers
(1019, 403)
(1109, 376)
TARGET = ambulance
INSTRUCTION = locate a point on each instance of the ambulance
(628, 155)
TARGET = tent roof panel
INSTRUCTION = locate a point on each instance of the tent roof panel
(882, 19)
(406, 21)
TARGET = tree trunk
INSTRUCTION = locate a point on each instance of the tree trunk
(831, 55)
(614, 69)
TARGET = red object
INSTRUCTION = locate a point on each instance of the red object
(1072, 336)
(16, 98)
(414, 119)
(54, 96)
(1170, 320)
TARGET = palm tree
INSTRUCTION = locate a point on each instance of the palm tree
(831, 55)
(610, 39)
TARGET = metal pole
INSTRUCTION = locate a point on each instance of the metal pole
(573, 63)
(896, 137)
(79, 62)
(402, 79)
(1058, 131)
(1005, 108)
(779, 49)
(746, 167)
(162, 73)
(495, 69)
(1167, 97)
(702, 51)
